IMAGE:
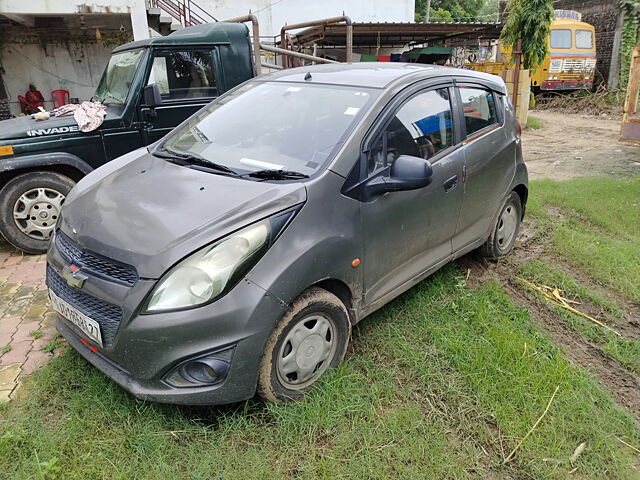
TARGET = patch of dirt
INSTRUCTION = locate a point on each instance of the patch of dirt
(573, 145)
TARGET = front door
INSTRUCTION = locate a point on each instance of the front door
(187, 82)
(407, 233)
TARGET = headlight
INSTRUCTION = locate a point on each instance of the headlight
(205, 275)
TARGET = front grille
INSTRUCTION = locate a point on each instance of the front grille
(96, 264)
(106, 314)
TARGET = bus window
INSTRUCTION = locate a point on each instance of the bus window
(560, 38)
(584, 39)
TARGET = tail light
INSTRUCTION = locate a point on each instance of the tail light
(519, 128)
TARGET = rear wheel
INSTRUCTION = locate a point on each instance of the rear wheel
(504, 233)
(29, 209)
(310, 338)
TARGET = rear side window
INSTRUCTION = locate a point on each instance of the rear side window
(479, 107)
(560, 38)
(422, 128)
(184, 74)
(584, 39)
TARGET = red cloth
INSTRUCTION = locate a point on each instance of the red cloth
(384, 58)
(34, 100)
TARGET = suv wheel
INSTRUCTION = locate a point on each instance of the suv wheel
(29, 209)
(504, 233)
(311, 337)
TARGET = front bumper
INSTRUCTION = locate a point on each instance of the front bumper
(145, 348)
(566, 85)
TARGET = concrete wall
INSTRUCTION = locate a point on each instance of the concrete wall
(604, 16)
(273, 14)
(73, 67)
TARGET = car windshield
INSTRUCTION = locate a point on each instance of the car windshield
(116, 80)
(293, 127)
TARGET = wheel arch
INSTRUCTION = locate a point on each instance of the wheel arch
(341, 290)
(62, 163)
(523, 193)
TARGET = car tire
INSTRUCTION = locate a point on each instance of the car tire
(505, 231)
(310, 338)
(36, 198)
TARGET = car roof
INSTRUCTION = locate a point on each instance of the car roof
(205, 34)
(378, 74)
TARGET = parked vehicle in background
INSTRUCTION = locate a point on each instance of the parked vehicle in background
(149, 87)
(571, 62)
(276, 218)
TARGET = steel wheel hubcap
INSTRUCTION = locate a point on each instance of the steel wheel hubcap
(306, 351)
(36, 212)
(507, 226)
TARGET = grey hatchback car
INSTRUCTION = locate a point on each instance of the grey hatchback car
(236, 254)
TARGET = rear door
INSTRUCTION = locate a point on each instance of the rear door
(188, 81)
(407, 233)
(490, 158)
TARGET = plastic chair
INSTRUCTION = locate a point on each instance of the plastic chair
(60, 97)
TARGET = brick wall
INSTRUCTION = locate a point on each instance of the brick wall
(603, 15)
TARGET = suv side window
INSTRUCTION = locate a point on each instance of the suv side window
(479, 106)
(422, 127)
(184, 74)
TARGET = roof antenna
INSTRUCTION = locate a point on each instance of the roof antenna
(307, 76)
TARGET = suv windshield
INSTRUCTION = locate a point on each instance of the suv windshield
(116, 80)
(293, 127)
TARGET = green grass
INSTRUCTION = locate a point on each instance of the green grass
(6, 348)
(442, 383)
(36, 334)
(626, 351)
(534, 123)
(599, 227)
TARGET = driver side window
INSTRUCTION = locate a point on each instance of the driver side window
(422, 127)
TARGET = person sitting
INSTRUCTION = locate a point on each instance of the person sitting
(34, 99)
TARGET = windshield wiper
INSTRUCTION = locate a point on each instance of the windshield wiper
(194, 162)
(276, 175)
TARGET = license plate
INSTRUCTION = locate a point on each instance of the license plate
(80, 320)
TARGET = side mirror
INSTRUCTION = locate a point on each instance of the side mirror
(152, 95)
(410, 173)
(405, 173)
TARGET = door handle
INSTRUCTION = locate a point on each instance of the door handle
(450, 184)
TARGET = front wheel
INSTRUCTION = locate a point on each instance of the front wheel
(504, 233)
(311, 337)
(29, 209)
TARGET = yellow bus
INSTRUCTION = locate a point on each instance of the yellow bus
(571, 62)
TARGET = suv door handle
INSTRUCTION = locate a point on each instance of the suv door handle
(450, 184)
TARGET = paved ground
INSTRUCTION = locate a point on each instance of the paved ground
(26, 322)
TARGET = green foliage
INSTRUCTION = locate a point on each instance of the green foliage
(529, 21)
(451, 10)
(630, 37)
(534, 123)
(6, 348)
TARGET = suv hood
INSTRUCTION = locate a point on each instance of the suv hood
(27, 127)
(151, 213)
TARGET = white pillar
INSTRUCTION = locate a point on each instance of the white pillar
(139, 23)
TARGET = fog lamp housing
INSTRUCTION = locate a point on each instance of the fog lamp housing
(206, 370)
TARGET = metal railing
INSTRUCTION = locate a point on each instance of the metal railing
(188, 13)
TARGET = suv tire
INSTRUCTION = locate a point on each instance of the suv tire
(311, 337)
(36, 198)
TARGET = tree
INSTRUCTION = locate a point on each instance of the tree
(459, 10)
(529, 21)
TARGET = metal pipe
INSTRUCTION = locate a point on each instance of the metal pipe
(272, 65)
(257, 59)
(304, 56)
(324, 21)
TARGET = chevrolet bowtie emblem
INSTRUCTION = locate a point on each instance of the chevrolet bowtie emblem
(73, 276)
